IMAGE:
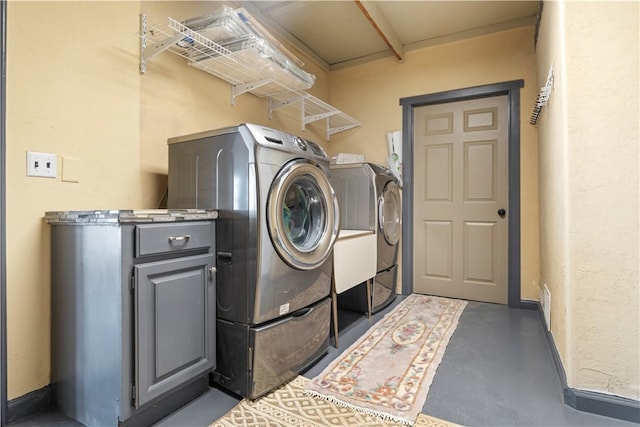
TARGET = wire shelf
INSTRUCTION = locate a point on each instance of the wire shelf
(312, 109)
(247, 69)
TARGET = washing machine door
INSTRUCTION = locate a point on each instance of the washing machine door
(389, 213)
(302, 214)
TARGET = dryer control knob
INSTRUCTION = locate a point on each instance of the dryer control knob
(301, 143)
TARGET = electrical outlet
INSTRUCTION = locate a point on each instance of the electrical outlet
(42, 164)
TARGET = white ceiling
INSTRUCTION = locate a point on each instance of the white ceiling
(341, 33)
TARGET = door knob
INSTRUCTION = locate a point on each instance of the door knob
(502, 212)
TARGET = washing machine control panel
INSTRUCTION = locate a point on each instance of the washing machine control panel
(285, 141)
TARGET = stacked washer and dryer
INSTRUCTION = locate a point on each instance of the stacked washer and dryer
(369, 197)
(278, 219)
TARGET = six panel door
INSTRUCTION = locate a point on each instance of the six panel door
(460, 199)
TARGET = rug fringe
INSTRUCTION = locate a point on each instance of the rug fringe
(384, 415)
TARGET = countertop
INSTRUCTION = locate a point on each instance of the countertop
(118, 216)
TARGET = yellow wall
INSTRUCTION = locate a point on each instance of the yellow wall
(73, 89)
(589, 195)
(371, 93)
(177, 99)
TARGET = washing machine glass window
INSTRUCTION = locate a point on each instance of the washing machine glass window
(389, 213)
(302, 214)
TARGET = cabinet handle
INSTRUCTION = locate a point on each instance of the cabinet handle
(224, 258)
(302, 312)
(212, 272)
(179, 238)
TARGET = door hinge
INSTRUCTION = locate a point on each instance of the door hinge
(133, 393)
(132, 282)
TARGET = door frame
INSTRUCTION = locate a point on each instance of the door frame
(512, 90)
(3, 261)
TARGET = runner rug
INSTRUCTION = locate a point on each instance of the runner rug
(289, 406)
(388, 371)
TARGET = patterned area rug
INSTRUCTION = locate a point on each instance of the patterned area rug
(389, 370)
(289, 406)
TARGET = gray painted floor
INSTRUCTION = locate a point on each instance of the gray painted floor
(497, 371)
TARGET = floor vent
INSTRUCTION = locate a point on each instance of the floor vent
(545, 302)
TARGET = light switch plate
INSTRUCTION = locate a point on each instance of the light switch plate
(70, 169)
(42, 164)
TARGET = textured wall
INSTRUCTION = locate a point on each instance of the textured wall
(552, 141)
(589, 191)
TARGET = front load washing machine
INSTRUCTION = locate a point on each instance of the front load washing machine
(369, 196)
(278, 219)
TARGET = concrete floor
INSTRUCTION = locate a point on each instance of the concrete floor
(497, 371)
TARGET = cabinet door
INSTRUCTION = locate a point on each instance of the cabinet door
(174, 324)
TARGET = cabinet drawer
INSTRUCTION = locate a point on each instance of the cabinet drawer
(277, 351)
(162, 238)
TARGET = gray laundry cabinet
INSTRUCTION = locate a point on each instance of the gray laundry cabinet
(132, 312)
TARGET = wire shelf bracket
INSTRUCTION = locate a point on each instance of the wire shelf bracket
(244, 75)
(239, 89)
(543, 97)
(311, 110)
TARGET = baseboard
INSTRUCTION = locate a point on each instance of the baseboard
(29, 404)
(603, 404)
(529, 305)
(588, 401)
(557, 362)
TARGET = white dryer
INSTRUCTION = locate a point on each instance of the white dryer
(278, 219)
(369, 197)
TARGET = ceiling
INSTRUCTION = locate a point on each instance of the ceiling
(337, 34)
